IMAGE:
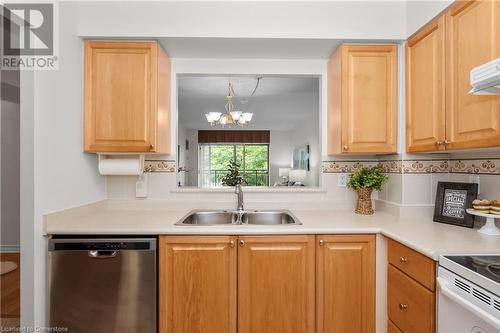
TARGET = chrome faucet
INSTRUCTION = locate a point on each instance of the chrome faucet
(240, 210)
(239, 191)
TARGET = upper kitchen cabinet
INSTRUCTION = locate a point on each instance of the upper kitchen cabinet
(362, 99)
(127, 97)
(440, 112)
(425, 88)
(473, 37)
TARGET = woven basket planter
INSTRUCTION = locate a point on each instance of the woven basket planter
(364, 205)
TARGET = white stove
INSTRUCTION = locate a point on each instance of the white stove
(468, 294)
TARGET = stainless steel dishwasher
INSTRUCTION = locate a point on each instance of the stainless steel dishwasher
(103, 285)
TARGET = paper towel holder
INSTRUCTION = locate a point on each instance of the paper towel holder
(125, 164)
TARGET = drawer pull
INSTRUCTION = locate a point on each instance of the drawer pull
(403, 260)
(231, 243)
(403, 306)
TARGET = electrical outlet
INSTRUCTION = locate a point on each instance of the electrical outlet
(475, 179)
(342, 179)
(141, 187)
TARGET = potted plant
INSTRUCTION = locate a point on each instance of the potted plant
(364, 181)
(232, 178)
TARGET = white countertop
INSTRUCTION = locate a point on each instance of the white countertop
(156, 218)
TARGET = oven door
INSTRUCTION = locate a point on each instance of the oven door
(460, 311)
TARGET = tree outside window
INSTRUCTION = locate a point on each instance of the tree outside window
(252, 159)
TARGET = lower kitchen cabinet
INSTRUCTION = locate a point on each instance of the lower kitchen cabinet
(292, 283)
(391, 328)
(276, 284)
(411, 301)
(345, 283)
(197, 284)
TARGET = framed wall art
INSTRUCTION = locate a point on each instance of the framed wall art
(452, 200)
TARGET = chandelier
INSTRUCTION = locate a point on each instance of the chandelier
(230, 117)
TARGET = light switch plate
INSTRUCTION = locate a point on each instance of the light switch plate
(342, 179)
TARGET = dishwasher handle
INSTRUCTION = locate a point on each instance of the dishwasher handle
(102, 244)
(96, 254)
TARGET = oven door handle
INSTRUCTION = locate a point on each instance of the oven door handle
(445, 290)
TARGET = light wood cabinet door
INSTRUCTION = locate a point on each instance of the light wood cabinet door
(362, 84)
(473, 38)
(410, 305)
(425, 88)
(414, 264)
(345, 283)
(127, 97)
(276, 284)
(197, 284)
(391, 328)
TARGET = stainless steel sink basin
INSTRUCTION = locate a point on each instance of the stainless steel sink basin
(224, 217)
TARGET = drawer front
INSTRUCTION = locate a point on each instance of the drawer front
(391, 328)
(410, 306)
(416, 265)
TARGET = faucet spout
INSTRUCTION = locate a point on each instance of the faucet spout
(239, 192)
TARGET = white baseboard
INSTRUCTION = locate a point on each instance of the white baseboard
(10, 248)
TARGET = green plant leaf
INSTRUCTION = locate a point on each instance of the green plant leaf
(367, 177)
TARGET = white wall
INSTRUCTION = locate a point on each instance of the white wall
(182, 160)
(309, 133)
(189, 158)
(418, 13)
(55, 174)
(245, 19)
(280, 152)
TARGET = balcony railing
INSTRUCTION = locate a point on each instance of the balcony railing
(213, 178)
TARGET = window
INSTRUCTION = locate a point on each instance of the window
(252, 159)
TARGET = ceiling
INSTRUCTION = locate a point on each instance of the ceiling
(279, 103)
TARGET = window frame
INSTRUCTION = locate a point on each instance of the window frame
(201, 172)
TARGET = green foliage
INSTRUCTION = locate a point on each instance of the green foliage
(233, 178)
(367, 177)
(252, 162)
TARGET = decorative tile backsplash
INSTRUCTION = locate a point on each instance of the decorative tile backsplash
(476, 166)
(469, 166)
(163, 166)
(345, 166)
(425, 166)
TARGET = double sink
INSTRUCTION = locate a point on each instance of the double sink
(247, 217)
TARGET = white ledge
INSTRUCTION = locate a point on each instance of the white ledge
(251, 189)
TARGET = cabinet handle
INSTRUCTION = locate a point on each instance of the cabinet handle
(321, 242)
(446, 142)
(439, 143)
(403, 306)
(346, 147)
(151, 146)
(242, 242)
(403, 260)
(232, 243)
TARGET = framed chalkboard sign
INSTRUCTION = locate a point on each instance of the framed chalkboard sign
(452, 199)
